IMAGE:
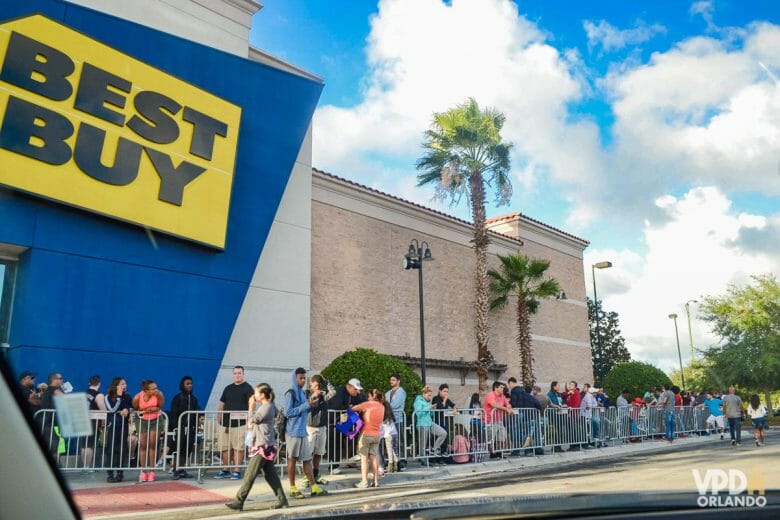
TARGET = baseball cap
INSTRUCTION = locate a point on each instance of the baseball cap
(27, 373)
(356, 383)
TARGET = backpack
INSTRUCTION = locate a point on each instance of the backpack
(280, 421)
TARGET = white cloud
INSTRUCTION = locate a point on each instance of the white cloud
(421, 62)
(610, 38)
(690, 254)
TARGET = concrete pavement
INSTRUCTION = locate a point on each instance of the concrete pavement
(188, 498)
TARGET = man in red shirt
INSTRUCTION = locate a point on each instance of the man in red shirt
(496, 409)
(573, 397)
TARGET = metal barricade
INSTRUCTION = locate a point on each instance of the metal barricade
(119, 442)
(523, 431)
(207, 440)
(566, 426)
(459, 436)
(626, 428)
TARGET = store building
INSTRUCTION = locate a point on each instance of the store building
(201, 237)
(112, 267)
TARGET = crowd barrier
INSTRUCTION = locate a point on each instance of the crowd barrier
(118, 442)
(213, 440)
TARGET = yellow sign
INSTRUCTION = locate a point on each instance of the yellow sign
(89, 126)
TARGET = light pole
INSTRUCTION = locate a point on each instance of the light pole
(599, 349)
(679, 355)
(418, 254)
(688, 313)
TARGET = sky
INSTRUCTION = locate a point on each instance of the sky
(651, 129)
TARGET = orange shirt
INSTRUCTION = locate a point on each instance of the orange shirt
(373, 414)
(143, 404)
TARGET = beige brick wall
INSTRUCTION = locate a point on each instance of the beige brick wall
(361, 297)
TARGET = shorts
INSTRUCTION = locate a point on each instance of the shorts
(496, 432)
(232, 438)
(152, 426)
(759, 423)
(716, 420)
(318, 439)
(298, 448)
(368, 445)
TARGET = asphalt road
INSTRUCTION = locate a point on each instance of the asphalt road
(670, 470)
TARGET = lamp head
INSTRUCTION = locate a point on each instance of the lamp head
(673, 316)
(602, 265)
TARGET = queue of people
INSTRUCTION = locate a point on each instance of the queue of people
(511, 418)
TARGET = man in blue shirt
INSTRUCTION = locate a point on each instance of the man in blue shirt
(715, 406)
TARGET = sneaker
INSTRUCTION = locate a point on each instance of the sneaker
(375, 484)
(382, 472)
(184, 474)
(335, 471)
(150, 476)
(176, 474)
(321, 481)
(739, 444)
(305, 481)
(733, 443)
(758, 443)
(235, 505)
(294, 493)
(363, 484)
(235, 476)
(317, 491)
(111, 480)
(222, 474)
(721, 436)
(142, 477)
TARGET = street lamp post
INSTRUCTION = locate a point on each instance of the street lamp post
(679, 355)
(417, 255)
(690, 332)
(599, 349)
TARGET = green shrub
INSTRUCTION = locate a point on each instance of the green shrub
(635, 376)
(374, 371)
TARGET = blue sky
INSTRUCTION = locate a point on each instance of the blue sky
(652, 129)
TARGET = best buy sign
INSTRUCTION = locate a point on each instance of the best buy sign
(86, 125)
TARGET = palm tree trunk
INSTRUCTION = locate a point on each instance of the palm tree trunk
(484, 356)
(524, 342)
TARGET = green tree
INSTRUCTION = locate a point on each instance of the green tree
(699, 375)
(747, 320)
(524, 279)
(613, 345)
(634, 376)
(463, 151)
(373, 370)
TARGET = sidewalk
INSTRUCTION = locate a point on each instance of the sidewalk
(98, 499)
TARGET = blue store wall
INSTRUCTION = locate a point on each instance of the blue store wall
(97, 296)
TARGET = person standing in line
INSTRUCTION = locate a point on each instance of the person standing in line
(732, 409)
(423, 420)
(235, 399)
(96, 402)
(296, 409)
(48, 420)
(118, 408)
(757, 413)
(345, 397)
(667, 405)
(396, 398)
(441, 403)
(149, 403)
(186, 432)
(317, 424)
(262, 451)
(497, 408)
(373, 412)
(29, 391)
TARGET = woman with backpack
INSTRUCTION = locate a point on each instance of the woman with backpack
(757, 413)
(262, 449)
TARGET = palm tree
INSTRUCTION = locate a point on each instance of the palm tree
(524, 278)
(463, 151)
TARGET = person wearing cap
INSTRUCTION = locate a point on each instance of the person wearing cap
(587, 406)
(27, 384)
(346, 396)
